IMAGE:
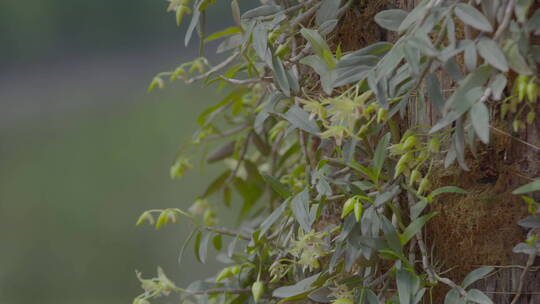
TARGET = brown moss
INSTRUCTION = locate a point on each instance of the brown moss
(478, 228)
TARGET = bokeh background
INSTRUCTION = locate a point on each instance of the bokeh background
(84, 149)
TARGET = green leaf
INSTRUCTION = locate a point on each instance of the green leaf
(479, 116)
(404, 285)
(447, 189)
(498, 85)
(415, 227)
(281, 76)
(317, 42)
(364, 170)
(217, 242)
(434, 91)
(300, 208)
(476, 275)
(226, 32)
(492, 54)
(530, 187)
(391, 19)
(380, 154)
(277, 186)
(301, 287)
(327, 11)
(300, 120)
(276, 214)
(479, 297)
(516, 61)
(197, 246)
(473, 17)
(203, 247)
(452, 297)
(216, 184)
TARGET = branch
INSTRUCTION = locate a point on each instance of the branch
(218, 290)
(225, 231)
(216, 68)
(507, 16)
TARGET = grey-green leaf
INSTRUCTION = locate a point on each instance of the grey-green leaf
(391, 19)
(476, 275)
(473, 17)
(492, 54)
(380, 154)
(479, 116)
(300, 208)
(530, 187)
(479, 297)
(300, 119)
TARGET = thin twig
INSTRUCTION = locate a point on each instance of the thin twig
(218, 290)
(507, 16)
(228, 132)
(530, 261)
(225, 231)
(515, 138)
(216, 68)
(241, 81)
(241, 159)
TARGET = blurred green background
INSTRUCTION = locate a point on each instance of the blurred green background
(84, 149)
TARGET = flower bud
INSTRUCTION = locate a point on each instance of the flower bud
(521, 87)
(358, 209)
(348, 207)
(434, 145)
(530, 117)
(415, 176)
(532, 90)
(410, 142)
(209, 218)
(257, 289)
(382, 115)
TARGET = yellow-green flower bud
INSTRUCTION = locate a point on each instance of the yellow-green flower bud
(402, 163)
(516, 125)
(415, 177)
(209, 218)
(410, 142)
(348, 207)
(530, 117)
(424, 185)
(521, 87)
(343, 301)
(434, 145)
(358, 209)
(532, 90)
(382, 115)
(257, 289)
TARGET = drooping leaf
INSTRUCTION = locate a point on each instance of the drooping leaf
(277, 186)
(380, 154)
(492, 53)
(479, 297)
(391, 19)
(299, 118)
(415, 227)
(476, 275)
(473, 17)
(270, 220)
(300, 208)
(479, 116)
(301, 287)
